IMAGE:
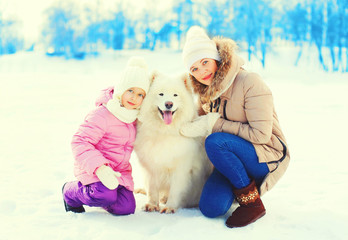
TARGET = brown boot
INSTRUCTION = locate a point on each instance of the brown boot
(251, 207)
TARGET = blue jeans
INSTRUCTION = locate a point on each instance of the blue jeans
(235, 163)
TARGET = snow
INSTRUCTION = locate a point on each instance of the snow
(43, 100)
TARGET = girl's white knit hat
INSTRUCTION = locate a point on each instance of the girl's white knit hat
(135, 75)
(198, 46)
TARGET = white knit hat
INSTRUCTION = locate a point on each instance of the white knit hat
(135, 75)
(198, 46)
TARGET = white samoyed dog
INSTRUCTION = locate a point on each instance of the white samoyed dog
(176, 167)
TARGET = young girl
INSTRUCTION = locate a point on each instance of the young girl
(247, 147)
(103, 144)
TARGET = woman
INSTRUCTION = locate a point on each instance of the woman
(245, 142)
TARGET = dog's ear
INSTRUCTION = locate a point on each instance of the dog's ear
(153, 75)
(187, 81)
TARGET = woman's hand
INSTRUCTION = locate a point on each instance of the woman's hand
(108, 177)
(201, 126)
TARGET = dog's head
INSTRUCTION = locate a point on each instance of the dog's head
(169, 100)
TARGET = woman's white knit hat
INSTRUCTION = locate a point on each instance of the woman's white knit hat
(198, 46)
(135, 75)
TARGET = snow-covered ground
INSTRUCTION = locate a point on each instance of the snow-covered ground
(43, 100)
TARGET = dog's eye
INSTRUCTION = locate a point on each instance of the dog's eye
(175, 95)
(161, 94)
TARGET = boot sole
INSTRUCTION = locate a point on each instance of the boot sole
(243, 225)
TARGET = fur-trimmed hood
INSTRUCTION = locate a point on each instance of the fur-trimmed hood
(227, 71)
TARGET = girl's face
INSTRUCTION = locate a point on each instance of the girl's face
(133, 97)
(204, 70)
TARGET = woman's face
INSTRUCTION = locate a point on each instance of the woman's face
(133, 98)
(204, 70)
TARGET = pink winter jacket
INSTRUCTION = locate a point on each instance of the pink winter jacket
(103, 139)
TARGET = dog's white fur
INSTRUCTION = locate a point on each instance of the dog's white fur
(176, 166)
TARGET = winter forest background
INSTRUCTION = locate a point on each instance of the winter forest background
(79, 29)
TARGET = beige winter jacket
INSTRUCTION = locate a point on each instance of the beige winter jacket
(246, 107)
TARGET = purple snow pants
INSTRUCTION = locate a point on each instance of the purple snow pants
(120, 201)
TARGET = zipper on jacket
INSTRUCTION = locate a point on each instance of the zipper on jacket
(216, 105)
(225, 116)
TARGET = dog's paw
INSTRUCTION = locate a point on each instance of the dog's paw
(164, 200)
(140, 191)
(167, 210)
(148, 207)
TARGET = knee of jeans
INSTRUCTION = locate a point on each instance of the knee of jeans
(212, 139)
(215, 141)
(211, 210)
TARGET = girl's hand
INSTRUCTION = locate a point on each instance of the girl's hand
(108, 177)
(201, 126)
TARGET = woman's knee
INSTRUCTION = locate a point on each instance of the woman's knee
(222, 140)
(213, 140)
(213, 209)
(213, 143)
(217, 196)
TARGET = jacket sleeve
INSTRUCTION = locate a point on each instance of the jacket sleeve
(87, 157)
(258, 107)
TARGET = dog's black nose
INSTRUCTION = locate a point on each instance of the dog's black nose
(168, 105)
